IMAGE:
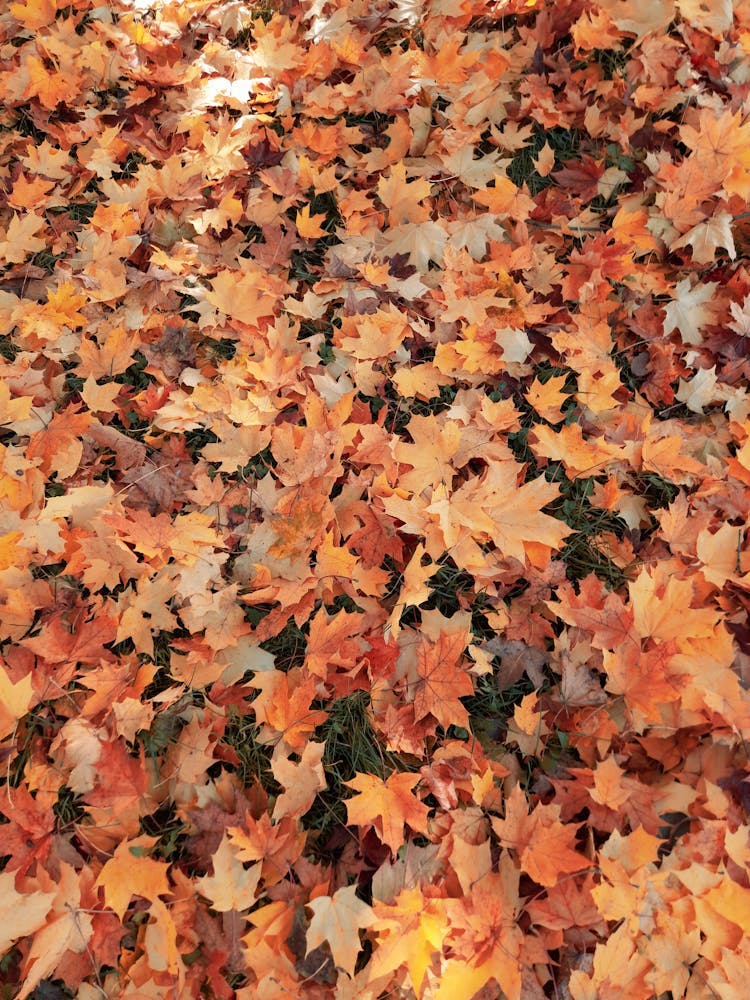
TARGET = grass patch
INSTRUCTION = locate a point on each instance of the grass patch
(170, 831)
(447, 584)
(288, 647)
(490, 708)
(566, 145)
(351, 747)
(242, 736)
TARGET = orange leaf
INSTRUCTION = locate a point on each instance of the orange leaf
(410, 932)
(52, 87)
(112, 357)
(544, 845)
(129, 872)
(547, 397)
(308, 226)
(60, 445)
(283, 705)
(442, 679)
(302, 781)
(242, 296)
(35, 14)
(387, 805)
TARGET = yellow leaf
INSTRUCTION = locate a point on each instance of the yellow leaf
(308, 226)
(15, 699)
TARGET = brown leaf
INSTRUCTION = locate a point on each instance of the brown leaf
(516, 659)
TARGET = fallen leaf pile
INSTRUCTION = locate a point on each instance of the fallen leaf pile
(375, 477)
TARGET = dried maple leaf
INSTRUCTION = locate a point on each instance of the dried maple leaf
(22, 913)
(59, 445)
(231, 886)
(706, 237)
(20, 239)
(68, 928)
(690, 311)
(302, 781)
(442, 679)
(547, 398)
(338, 919)
(498, 509)
(15, 700)
(130, 872)
(309, 226)
(484, 939)
(410, 931)
(387, 805)
(544, 845)
(284, 706)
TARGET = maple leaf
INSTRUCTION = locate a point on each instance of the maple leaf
(528, 728)
(338, 919)
(579, 456)
(387, 805)
(232, 886)
(666, 456)
(15, 700)
(485, 939)
(508, 514)
(700, 390)
(421, 241)
(410, 932)
(401, 198)
(544, 845)
(302, 781)
(718, 551)
(284, 706)
(662, 608)
(159, 942)
(20, 238)
(602, 614)
(51, 87)
(68, 928)
(109, 358)
(706, 237)
(277, 845)
(130, 872)
(414, 590)
(689, 312)
(565, 905)
(11, 408)
(309, 226)
(59, 444)
(442, 680)
(547, 398)
(640, 17)
(34, 14)
(22, 913)
(241, 296)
